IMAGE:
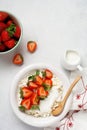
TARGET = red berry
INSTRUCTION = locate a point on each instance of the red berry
(17, 32)
(2, 26)
(49, 74)
(10, 44)
(2, 47)
(31, 46)
(26, 92)
(9, 22)
(18, 59)
(5, 36)
(3, 16)
(26, 103)
(0, 38)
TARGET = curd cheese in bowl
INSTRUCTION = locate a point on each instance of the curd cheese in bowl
(39, 93)
(36, 90)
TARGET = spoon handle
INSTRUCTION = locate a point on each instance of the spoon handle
(70, 89)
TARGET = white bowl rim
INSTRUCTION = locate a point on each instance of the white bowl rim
(36, 122)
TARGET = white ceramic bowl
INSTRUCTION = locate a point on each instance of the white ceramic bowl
(17, 22)
(30, 120)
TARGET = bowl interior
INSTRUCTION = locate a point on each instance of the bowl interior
(17, 22)
(34, 121)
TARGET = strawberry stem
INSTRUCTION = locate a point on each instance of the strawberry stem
(11, 29)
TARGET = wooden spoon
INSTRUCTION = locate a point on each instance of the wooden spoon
(61, 105)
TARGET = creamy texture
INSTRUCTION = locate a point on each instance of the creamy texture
(46, 105)
(72, 57)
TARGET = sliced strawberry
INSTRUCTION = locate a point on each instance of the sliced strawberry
(10, 44)
(32, 85)
(34, 99)
(2, 26)
(31, 46)
(2, 47)
(41, 92)
(3, 16)
(17, 32)
(26, 93)
(18, 59)
(49, 74)
(38, 80)
(48, 82)
(5, 36)
(26, 103)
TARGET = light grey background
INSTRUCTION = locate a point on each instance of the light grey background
(56, 25)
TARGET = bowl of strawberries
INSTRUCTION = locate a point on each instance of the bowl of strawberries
(10, 32)
(35, 91)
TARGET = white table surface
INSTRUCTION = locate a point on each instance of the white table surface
(56, 25)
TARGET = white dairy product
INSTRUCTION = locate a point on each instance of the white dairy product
(72, 57)
(46, 104)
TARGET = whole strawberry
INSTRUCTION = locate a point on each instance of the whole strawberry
(8, 33)
(17, 32)
(2, 47)
(0, 38)
(5, 36)
(9, 23)
(10, 44)
(3, 16)
(2, 26)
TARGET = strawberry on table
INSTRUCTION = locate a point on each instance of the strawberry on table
(18, 59)
(3, 16)
(17, 32)
(31, 46)
(25, 92)
(10, 44)
(42, 93)
(49, 74)
(26, 103)
(2, 26)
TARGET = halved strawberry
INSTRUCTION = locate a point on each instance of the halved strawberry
(32, 85)
(18, 59)
(26, 103)
(38, 80)
(3, 16)
(10, 43)
(26, 93)
(17, 32)
(49, 74)
(2, 26)
(48, 82)
(42, 93)
(31, 46)
(34, 99)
